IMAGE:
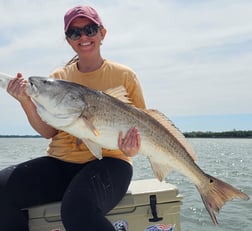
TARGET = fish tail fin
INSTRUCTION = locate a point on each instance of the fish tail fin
(216, 193)
(4, 80)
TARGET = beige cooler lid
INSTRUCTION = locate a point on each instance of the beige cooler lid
(139, 193)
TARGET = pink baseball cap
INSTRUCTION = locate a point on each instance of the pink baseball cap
(81, 11)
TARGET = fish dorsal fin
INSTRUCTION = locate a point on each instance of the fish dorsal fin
(94, 148)
(119, 93)
(168, 124)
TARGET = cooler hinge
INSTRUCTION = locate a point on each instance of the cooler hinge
(153, 205)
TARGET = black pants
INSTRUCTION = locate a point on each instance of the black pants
(87, 191)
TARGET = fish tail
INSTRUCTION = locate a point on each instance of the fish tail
(215, 193)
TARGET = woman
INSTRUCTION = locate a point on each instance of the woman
(87, 187)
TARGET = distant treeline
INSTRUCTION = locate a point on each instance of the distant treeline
(225, 134)
(199, 134)
(20, 136)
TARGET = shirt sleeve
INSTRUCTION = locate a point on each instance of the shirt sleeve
(135, 91)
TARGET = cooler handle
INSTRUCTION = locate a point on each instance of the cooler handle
(153, 205)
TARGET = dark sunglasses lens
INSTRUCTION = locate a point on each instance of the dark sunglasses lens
(89, 30)
(74, 33)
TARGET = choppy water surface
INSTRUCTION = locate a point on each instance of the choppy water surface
(227, 159)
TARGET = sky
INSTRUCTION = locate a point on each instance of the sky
(193, 58)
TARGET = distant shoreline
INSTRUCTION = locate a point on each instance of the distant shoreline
(20, 136)
(193, 134)
(224, 134)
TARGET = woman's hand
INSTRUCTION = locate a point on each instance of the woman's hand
(17, 88)
(130, 144)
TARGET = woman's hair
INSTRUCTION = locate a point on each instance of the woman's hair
(73, 60)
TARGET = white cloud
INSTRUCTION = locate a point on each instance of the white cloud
(192, 57)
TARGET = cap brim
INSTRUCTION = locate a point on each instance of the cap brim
(80, 15)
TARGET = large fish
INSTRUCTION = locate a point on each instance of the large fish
(97, 118)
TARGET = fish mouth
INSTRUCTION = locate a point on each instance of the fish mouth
(31, 89)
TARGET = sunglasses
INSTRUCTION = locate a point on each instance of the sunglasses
(89, 30)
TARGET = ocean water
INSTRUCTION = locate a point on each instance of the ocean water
(226, 159)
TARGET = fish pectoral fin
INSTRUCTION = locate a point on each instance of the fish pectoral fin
(160, 170)
(119, 93)
(94, 148)
(90, 125)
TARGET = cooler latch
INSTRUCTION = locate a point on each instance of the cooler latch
(153, 205)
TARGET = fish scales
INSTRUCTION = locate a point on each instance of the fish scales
(122, 117)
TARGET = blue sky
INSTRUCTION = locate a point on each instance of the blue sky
(193, 58)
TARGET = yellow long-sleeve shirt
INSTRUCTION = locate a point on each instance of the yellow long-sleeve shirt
(110, 75)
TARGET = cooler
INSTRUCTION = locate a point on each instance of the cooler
(148, 205)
